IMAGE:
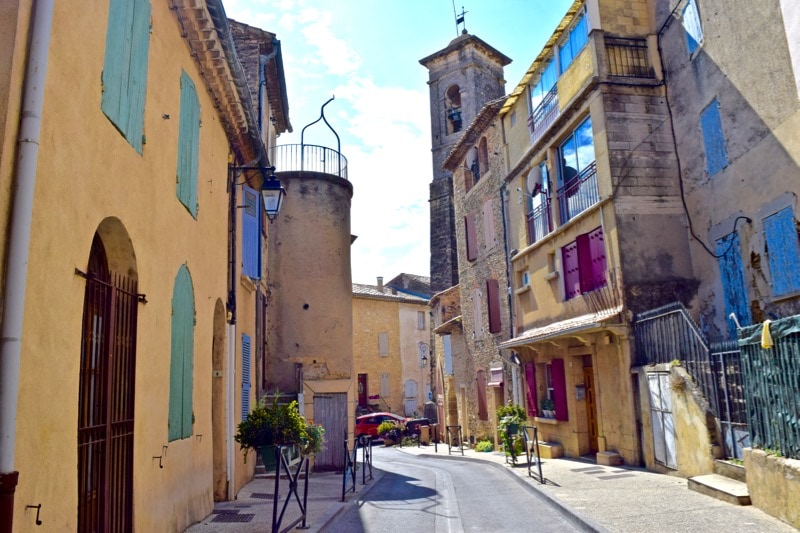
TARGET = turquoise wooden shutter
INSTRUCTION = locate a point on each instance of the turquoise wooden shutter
(181, 357)
(124, 75)
(251, 234)
(188, 145)
(246, 353)
(733, 281)
(780, 231)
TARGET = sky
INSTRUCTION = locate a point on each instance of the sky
(366, 53)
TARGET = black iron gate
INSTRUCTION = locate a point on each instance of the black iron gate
(106, 399)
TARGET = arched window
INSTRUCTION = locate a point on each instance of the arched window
(453, 109)
(483, 156)
(181, 357)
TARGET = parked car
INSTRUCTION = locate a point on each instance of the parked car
(368, 424)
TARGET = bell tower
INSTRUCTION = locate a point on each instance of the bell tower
(462, 77)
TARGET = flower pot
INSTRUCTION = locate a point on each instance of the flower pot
(512, 429)
(268, 456)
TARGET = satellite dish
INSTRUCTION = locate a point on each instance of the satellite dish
(534, 178)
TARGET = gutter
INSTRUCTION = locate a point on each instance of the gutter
(24, 180)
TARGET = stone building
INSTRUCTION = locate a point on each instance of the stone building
(391, 332)
(463, 76)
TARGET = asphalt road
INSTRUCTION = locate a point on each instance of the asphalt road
(429, 494)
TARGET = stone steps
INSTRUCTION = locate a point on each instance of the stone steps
(722, 488)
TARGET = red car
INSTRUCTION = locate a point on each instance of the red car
(368, 424)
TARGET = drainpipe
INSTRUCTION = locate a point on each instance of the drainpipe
(24, 180)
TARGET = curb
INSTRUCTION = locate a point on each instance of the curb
(339, 507)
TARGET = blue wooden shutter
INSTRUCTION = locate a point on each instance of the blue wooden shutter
(733, 281)
(125, 67)
(713, 138)
(181, 357)
(559, 381)
(188, 145)
(251, 234)
(780, 231)
(246, 353)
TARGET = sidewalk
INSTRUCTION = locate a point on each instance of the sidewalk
(597, 498)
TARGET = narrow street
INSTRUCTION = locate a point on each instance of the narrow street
(427, 494)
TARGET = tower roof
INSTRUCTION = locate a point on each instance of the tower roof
(462, 41)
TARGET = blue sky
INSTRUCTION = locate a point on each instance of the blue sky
(366, 53)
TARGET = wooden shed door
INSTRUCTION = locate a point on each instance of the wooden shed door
(330, 411)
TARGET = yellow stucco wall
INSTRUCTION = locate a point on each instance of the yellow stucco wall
(88, 172)
(774, 484)
(625, 17)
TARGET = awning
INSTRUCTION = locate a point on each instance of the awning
(583, 323)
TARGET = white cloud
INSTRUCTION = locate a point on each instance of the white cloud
(333, 52)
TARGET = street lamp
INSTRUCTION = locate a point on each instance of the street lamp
(423, 362)
(272, 192)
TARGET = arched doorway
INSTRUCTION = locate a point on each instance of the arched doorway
(107, 384)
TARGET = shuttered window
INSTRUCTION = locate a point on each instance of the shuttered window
(489, 233)
(713, 138)
(493, 303)
(247, 347)
(558, 376)
(480, 379)
(530, 389)
(572, 273)
(692, 26)
(472, 237)
(188, 145)
(384, 385)
(733, 281)
(181, 357)
(780, 232)
(124, 78)
(383, 344)
(448, 355)
(478, 330)
(251, 234)
(584, 264)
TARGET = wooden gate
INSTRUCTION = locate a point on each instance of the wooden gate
(330, 411)
(106, 399)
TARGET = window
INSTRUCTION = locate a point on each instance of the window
(453, 109)
(477, 318)
(713, 138)
(692, 26)
(251, 234)
(557, 388)
(188, 145)
(584, 264)
(247, 355)
(447, 345)
(547, 81)
(577, 39)
(383, 344)
(181, 357)
(480, 379)
(578, 176)
(124, 77)
(420, 319)
(783, 253)
(384, 385)
(539, 213)
(530, 389)
(472, 237)
(489, 233)
(493, 303)
(733, 281)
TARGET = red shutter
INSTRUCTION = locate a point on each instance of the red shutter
(558, 377)
(597, 253)
(572, 279)
(530, 389)
(472, 238)
(483, 412)
(584, 263)
(493, 301)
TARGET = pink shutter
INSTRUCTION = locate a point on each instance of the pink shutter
(584, 263)
(493, 301)
(530, 389)
(597, 253)
(483, 412)
(472, 237)
(559, 388)
(572, 278)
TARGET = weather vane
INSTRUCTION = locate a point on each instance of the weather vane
(459, 17)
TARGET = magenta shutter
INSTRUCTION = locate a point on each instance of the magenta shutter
(530, 389)
(472, 237)
(584, 262)
(597, 252)
(493, 301)
(483, 412)
(572, 278)
(559, 388)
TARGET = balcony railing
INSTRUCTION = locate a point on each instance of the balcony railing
(544, 114)
(628, 58)
(540, 220)
(578, 194)
(311, 158)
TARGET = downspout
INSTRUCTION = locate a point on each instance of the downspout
(18, 250)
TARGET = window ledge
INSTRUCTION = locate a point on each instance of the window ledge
(543, 420)
(550, 276)
(248, 283)
(522, 290)
(788, 296)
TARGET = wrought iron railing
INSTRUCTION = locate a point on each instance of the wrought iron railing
(605, 297)
(540, 220)
(544, 114)
(311, 158)
(578, 194)
(628, 58)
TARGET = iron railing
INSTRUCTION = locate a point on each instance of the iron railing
(727, 360)
(540, 220)
(578, 194)
(311, 158)
(628, 58)
(544, 115)
(772, 389)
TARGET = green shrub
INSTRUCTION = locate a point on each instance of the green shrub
(484, 446)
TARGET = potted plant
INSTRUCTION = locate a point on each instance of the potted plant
(509, 418)
(548, 408)
(390, 432)
(277, 424)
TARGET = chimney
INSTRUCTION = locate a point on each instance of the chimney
(380, 283)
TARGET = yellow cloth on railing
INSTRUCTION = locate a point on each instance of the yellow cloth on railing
(766, 336)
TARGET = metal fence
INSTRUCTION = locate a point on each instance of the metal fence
(628, 58)
(772, 386)
(311, 158)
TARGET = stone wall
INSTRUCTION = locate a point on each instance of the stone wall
(774, 484)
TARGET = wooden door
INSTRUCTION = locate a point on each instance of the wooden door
(591, 408)
(362, 390)
(330, 411)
